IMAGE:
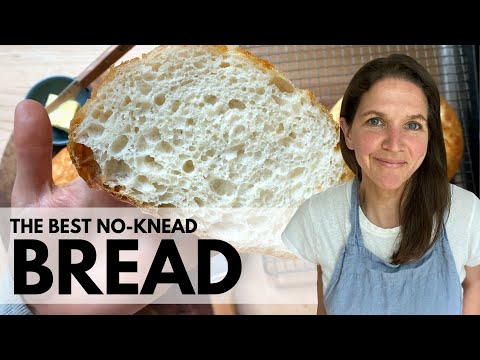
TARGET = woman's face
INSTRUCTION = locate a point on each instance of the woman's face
(389, 133)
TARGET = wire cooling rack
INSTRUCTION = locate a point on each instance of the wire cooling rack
(327, 70)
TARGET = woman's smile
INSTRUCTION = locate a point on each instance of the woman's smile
(392, 164)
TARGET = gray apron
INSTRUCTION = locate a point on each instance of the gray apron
(362, 283)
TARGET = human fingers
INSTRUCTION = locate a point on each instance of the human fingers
(32, 135)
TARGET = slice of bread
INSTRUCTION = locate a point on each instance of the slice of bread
(205, 126)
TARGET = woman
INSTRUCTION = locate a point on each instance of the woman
(397, 238)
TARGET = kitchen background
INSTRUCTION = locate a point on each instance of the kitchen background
(326, 70)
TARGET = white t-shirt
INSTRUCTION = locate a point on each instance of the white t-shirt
(319, 229)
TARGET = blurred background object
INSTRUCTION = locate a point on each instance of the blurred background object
(55, 85)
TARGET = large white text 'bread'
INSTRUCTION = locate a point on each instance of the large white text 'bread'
(205, 126)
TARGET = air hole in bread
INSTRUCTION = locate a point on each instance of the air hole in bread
(104, 116)
(175, 172)
(118, 188)
(236, 104)
(144, 88)
(199, 64)
(127, 100)
(267, 173)
(234, 152)
(95, 129)
(142, 120)
(238, 130)
(296, 172)
(116, 169)
(199, 201)
(165, 198)
(141, 144)
(190, 122)
(119, 144)
(224, 64)
(156, 66)
(268, 128)
(280, 128)
(154, 134)
(159, 99)
(136, 129)
(278, 100)
(191, 148)
(175, 106)
(186, 82)
(177, 142)
(148, 159)
(265, 195)
(286, 141)
(148, 76)
(188, 166)
(142, 178)
(222, 187)
(282, 84)
(260, 91)
(160, 188)
(296, 108)
(164, 147)
(210, 152)
(293, 135)
(211, 99)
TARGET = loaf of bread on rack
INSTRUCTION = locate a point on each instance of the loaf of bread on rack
(206, 126)
(63, 170)
(452, 134)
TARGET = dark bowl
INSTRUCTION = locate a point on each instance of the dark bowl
(55, 85)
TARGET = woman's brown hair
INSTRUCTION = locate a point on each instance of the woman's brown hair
(426, 197)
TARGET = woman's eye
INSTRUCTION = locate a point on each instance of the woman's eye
(414, 126)
(374, 121)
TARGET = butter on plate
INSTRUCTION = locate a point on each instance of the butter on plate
(62, 115)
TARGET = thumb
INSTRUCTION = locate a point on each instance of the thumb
(32, 134)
